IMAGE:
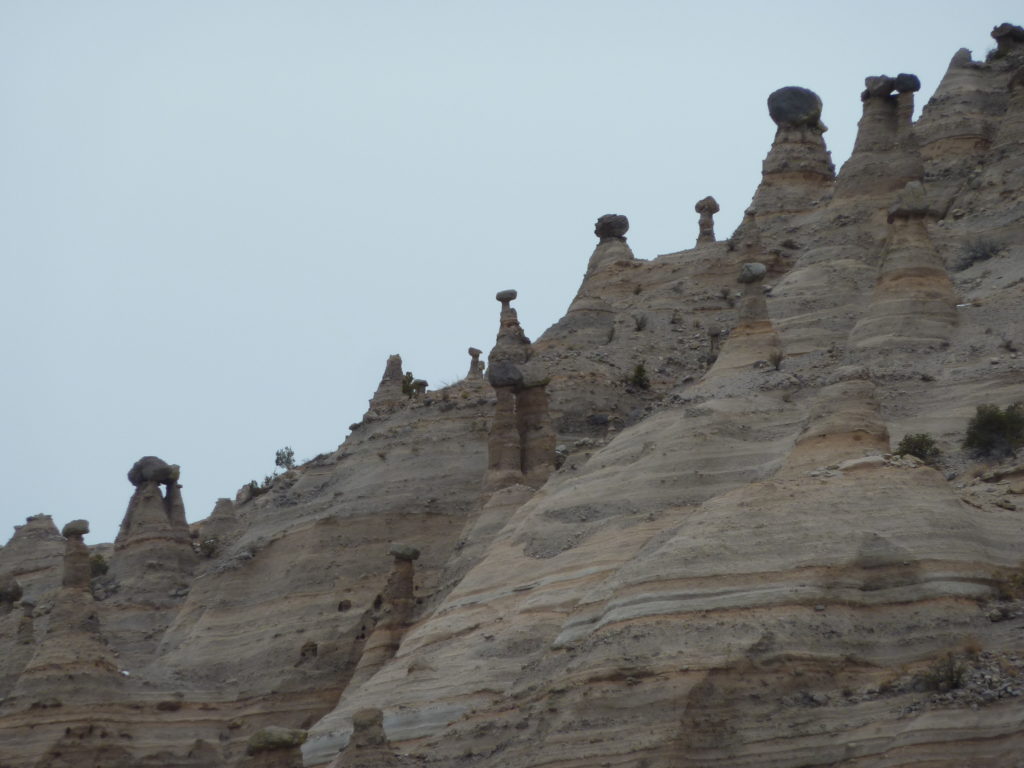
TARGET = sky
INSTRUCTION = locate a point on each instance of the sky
(218, 219)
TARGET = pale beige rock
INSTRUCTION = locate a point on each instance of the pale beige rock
(698, 583)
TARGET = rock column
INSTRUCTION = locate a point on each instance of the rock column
(476, 366)
(398, 601)
(798, 169)
(77, 570)
(389, 396)
(707, 208)
(153, 553)
(913, 303)
(885, 154)
(521, 443)
(611, 231)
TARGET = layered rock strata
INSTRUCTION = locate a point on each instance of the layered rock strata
(913, 301)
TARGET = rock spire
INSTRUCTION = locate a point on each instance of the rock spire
(153, 551)
(885, 154)
(521, 444)
(798, 169)
(707, 208)
(389, 395)
(476, 366)
(611, 232)
(913, 301)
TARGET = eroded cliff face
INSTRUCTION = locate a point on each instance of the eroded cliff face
(720, 563)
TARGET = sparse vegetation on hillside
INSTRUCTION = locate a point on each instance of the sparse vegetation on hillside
(285, 458)
(978, 249)
(407, 381)
(946, 674)
(994, 431)
(98, 565)
(639, 377)
(920, 444)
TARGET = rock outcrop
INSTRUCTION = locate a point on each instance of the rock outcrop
(389, 395)
(669, 565)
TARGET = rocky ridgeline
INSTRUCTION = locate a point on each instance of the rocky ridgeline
(672, 530)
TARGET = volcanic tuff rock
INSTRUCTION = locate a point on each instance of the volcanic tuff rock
(670, 531)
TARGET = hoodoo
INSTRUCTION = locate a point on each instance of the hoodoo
(723, 513)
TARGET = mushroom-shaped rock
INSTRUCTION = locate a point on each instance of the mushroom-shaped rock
(752, 272)
(612, 248)
(419, 386)
(878, 86)
(707, 208)
(912, 201)
(77, 568)
(1007, 36)
(795, 107)
(611, 225)
(403, 552)
(707, 205)
(907, 83)
(151, 468)
(75, 528)
(476, 367)
(506, 296)
(798, 170)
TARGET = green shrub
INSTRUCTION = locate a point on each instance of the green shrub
(285, 458)
(945, 674)
(98, 565)
(639, 377)
(407, 381)
(993, 431)
(208, 547)
(979, 249)
(922, 445)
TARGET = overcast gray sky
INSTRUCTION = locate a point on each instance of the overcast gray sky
(218, 219)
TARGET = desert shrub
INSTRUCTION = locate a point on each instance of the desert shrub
(285, 458)
(978, 249)
(209, 547)
(920, 444)
(639, 377)
(639, 322)
(1009, 584)
(775, 358)
(407, 381)
(994, 431)
(98, 565)
(946, 674)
